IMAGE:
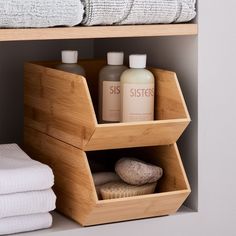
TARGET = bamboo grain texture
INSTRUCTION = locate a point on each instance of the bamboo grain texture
(64, 106)
(76, 192)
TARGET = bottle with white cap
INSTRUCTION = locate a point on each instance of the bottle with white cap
(70, 63)
(137, 91)
(109, 88)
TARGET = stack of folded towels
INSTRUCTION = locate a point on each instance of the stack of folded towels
(26, 197)
(43, 13)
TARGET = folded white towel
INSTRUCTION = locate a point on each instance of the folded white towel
(27, 203)
(19, 173)
(27, 223)
(100, 12)
(43, 13)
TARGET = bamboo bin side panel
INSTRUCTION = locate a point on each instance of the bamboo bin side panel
(92, 68)
(170, 103)
(74, 185)
(168, 157)
(59, 104)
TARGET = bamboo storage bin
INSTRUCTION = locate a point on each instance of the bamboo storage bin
(64, 106)
(76, 192)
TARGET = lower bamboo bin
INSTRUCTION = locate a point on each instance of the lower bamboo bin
(76, 192)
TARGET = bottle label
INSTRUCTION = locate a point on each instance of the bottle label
(111, 101)
(138, 102)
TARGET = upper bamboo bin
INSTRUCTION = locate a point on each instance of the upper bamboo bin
(64, 106)
(75, 190)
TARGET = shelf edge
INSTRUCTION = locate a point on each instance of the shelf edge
(94, 32)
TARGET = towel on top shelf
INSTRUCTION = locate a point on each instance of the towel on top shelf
(19, 173)
(43, 13)
(49, 13)
(26, 223)
(108, 12)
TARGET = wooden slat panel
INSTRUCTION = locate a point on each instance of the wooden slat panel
(59, 104)
(73, 180)
(136, 134)
(136, 208)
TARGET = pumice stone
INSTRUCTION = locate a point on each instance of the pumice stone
(137, 172)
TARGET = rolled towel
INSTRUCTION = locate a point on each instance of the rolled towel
(19, 173)
(162, 11)
(43, 13)
(100, 12)
(19, 224)
(27, 203)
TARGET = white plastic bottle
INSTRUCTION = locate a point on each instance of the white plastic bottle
(70, 63)
(109, 88)
(137, 91)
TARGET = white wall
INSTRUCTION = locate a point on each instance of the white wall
(217, 115)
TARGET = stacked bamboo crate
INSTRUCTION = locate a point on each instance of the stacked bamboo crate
(61, 129)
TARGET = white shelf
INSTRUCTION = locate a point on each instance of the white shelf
(64, 226)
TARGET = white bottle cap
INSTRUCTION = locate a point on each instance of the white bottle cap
(69, 56)
(115, 58)
(138, 61)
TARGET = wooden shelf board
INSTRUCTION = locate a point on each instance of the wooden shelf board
(83, 32)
